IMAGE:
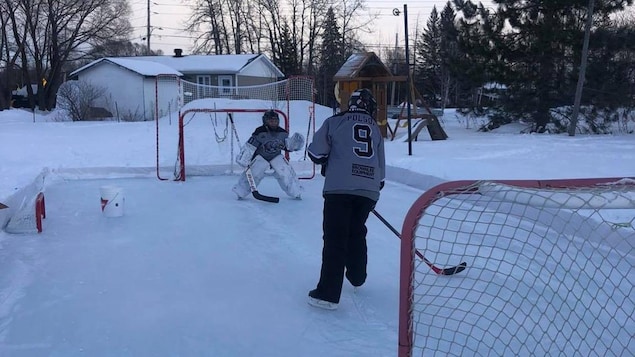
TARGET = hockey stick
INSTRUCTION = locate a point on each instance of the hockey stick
(441, 271)
(254, 190)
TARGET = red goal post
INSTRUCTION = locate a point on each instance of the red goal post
(305, 171)
(550, 269)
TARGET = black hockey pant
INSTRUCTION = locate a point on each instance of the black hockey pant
(344, 227)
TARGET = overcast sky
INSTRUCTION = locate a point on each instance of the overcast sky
(170, 16)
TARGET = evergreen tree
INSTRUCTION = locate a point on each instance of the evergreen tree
(530, 44)
(332, 57)
(428, 66)
(449, 52)
(438, 54)
(610, 79)
(289, 57)
(472, 64)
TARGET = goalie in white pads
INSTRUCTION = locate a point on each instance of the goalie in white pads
(263, 150)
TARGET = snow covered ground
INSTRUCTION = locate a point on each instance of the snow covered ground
(191, 271)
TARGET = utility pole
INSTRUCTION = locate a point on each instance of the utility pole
(394, 70)
(148, 32)
(409, 78)
(582, 73)
(396, 12)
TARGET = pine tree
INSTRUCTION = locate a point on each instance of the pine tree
(428, 67)
(438, 53)
(449, 52)
(533, 48)
(473, 65)
(289, 57)
(332, 57)
(610, 82)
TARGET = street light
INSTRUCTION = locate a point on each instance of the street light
(397, 12)
(149, 29)
(147, 37)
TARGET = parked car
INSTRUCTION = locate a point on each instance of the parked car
(20, 97)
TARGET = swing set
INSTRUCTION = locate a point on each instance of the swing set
(426, 119)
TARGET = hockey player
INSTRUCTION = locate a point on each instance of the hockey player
(350, 148)
(263, 150)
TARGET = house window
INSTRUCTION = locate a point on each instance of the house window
(204, 86)
(226, 83)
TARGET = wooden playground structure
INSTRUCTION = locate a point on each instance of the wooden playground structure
(419, 121)
(366, 70)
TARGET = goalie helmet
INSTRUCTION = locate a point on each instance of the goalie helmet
(362, 100)
(270, 119)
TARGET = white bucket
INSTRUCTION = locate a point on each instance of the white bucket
(112, 201)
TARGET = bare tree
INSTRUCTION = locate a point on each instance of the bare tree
(207, 20)
(348, 11)
(10, 49)
(287, 30)
(77, 98)
(56, 31)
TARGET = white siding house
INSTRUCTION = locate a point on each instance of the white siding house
(130, 87)
(130, 81)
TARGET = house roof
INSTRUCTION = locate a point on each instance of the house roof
(142, 67)
(209, 64)
(220, 64)
(362, 65)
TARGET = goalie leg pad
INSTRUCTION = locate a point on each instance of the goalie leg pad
(258, 167)
(241, 188)
(287, 179)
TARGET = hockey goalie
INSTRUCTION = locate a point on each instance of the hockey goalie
(263, 151)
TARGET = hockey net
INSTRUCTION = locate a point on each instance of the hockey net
(198, 155)
(550, 269)
(28, 217)
(26, 208)
(203, 124)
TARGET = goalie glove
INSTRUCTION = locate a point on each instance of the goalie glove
(246, 154)
(294, 142)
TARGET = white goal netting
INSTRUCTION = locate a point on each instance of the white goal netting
(26, 208)
(550, 269)
(213, 122)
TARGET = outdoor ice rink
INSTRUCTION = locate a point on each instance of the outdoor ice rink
(189, 270)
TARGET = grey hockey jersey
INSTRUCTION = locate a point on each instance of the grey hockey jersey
(269, 143)
(353, 148)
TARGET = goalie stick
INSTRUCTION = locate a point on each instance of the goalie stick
(440, 271)
(254, 190)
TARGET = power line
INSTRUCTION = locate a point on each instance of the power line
(380, 10)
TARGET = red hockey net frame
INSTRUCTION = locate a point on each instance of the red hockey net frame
(296, 94)
(569, 295)
(29, 216)
(40, 211)
(180, 173)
